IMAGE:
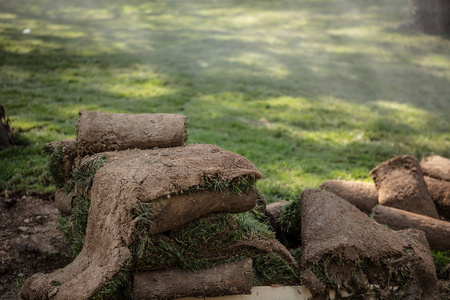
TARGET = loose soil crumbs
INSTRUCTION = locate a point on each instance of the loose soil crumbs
(29, 242)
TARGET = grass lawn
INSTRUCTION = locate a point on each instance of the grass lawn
(307, 90)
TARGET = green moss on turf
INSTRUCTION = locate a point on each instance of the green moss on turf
(207, 234)
(270, 268)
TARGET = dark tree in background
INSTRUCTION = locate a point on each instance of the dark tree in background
(5, 131)
(433, 16)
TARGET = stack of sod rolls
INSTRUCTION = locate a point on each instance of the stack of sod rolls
(143, 213)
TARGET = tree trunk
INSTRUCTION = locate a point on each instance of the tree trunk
(433, 16)
(5, 131)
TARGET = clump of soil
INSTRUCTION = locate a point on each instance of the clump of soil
(29, 242)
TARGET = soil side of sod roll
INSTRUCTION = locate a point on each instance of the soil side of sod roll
(101, 132)
(436, 231)
(436, 166)
(400, 184)
(440, 193)
(363, 195)
(226, 279)
(64, 201)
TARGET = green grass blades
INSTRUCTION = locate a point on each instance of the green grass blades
(441, 260)
(249, 227)
(237, 186)
(307, 90)
(269, 268)
(56, 167)
(207, 234)
(290, 216)
(73, 227)
(119, 287)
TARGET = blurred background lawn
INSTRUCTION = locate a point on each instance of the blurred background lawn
(308, 90)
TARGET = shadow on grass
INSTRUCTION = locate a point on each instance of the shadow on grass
(322, 49)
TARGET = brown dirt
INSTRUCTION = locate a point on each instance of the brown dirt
(436, 166)
(29, 241)
(227, 279)
(127, 178)
(333, 228)
(100, 132)
(440, 193)
(363, 195)
(400, 184)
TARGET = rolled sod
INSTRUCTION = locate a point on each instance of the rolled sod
(226, 279)
(436, 166)
(400, 184)
(436, 231)
(440, 193)
(363, 195)
(100, 132)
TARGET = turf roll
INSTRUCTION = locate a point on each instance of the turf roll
(100, 131)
